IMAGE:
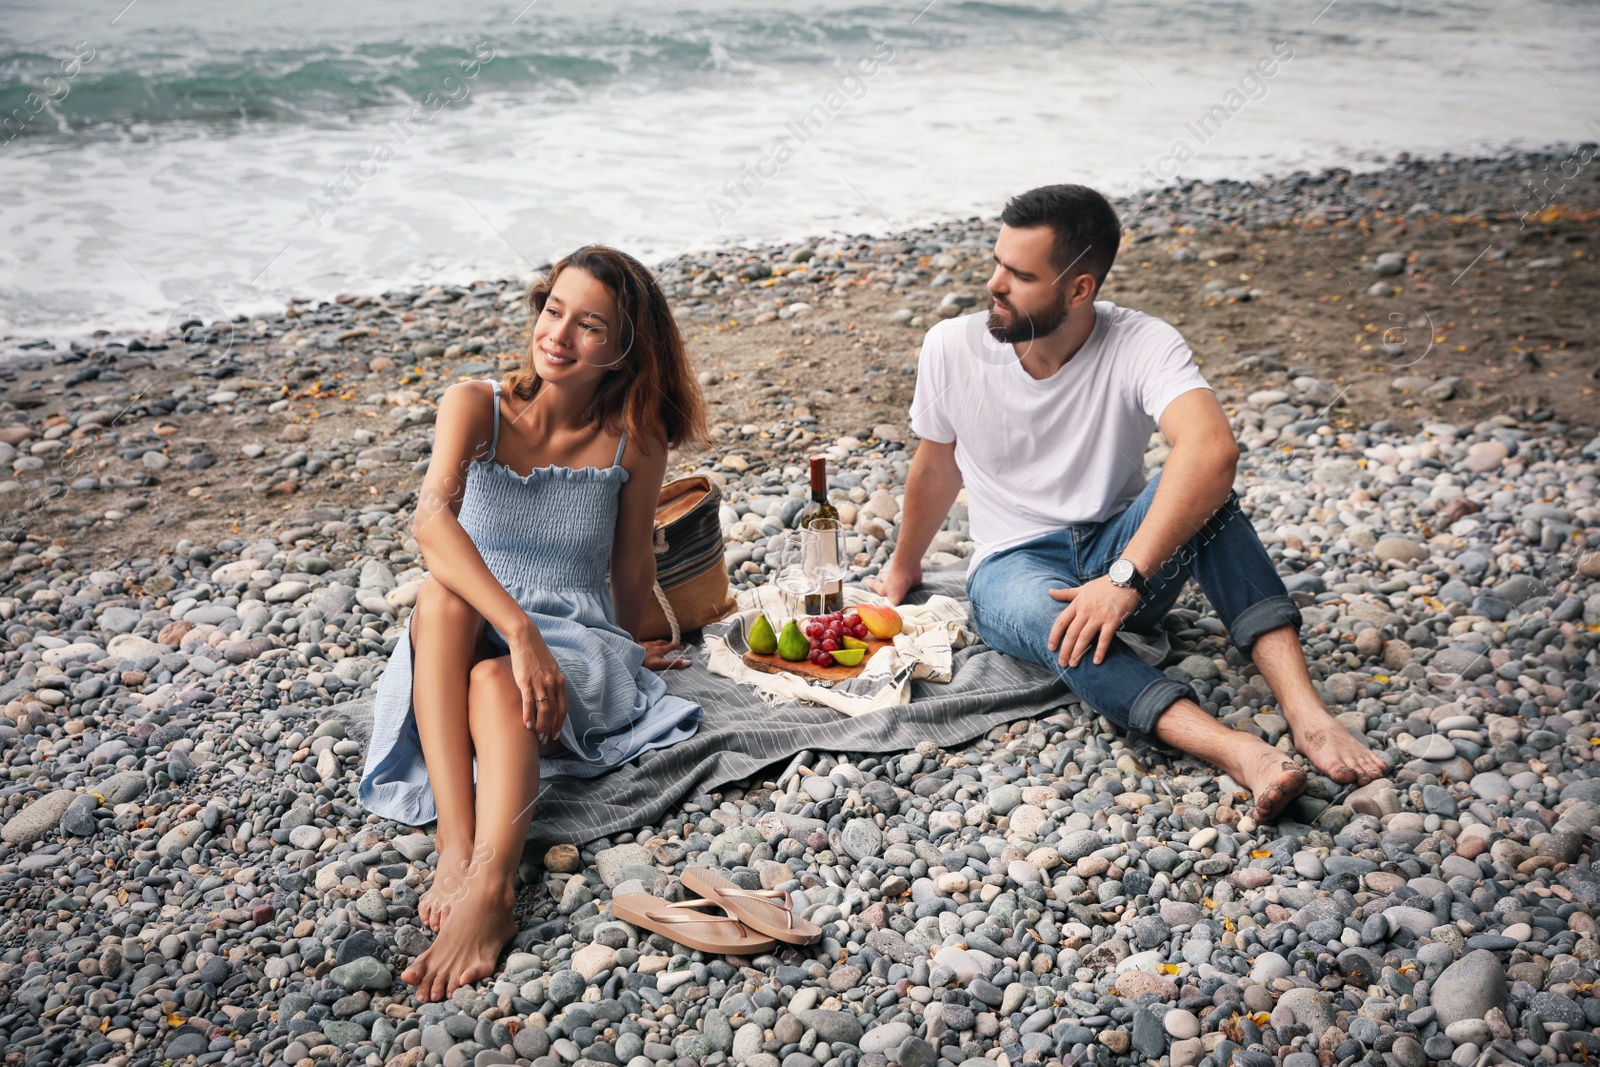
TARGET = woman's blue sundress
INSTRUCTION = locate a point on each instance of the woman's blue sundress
(546, 537)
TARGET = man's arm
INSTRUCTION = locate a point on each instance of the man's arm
(1195, 482)
(931, 488)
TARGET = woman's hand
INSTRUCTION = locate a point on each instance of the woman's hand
(655, 655)
(541, 683)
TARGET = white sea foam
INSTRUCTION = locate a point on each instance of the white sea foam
(622, 122)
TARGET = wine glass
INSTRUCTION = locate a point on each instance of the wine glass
(824, 558)
(791, 573)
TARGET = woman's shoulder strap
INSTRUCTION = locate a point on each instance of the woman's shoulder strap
(494, 438)
(620, 446)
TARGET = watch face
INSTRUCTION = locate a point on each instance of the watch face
(1121, 571)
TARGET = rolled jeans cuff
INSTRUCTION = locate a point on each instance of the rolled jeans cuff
(1261, 617)
(1154, 699)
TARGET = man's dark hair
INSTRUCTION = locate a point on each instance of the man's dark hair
(1086, 228)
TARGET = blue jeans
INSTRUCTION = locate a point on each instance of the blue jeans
(1013, 613)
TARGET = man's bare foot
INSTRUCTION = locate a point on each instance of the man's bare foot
(1333, 750)
(468, 948)
(449, 883)
(1272, 778)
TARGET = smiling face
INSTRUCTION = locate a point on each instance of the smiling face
(1031, 298)
(575, 340)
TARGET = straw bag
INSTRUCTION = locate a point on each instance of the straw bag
(691, 587)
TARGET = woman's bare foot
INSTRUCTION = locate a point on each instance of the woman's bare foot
(467, 949)
(450, 880)
(1272, 778)
(1332, 749)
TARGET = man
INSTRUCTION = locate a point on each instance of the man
(1043, 406)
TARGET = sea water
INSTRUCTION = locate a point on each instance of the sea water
(163, 160)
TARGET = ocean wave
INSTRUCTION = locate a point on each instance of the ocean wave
(280, 85)
(187, 74)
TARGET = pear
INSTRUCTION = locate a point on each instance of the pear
(852, 642)
(763, 642)
(848, 657)
(792, 644)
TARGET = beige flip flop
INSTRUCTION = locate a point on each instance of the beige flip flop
(756, 908)
(683, 923)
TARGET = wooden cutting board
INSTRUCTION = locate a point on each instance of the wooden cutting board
(774, 663)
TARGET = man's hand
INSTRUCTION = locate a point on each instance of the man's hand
(896, 580)
(1094, 610)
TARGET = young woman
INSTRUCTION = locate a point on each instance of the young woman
(524, 648)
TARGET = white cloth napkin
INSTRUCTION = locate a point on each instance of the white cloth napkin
(932, 631)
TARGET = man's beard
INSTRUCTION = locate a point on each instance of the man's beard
(1023, 327)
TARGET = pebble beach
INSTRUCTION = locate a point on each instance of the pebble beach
(205, 561)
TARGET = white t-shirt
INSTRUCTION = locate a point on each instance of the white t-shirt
(1038, 456)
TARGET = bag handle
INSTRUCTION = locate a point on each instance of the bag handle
(666, 609)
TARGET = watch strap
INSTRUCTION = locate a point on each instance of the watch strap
(1138, 583)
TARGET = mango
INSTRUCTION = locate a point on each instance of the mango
(881, 621)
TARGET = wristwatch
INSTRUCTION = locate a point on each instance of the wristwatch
(1123, 573)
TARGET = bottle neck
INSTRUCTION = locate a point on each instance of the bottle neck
(819, 481)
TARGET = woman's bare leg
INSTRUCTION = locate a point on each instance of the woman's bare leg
(445, 630)
(468, 947)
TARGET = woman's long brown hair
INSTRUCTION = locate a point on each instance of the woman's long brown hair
(653, 392)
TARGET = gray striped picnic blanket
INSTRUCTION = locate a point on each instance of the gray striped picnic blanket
(740, 735)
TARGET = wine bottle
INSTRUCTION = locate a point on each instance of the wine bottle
(831, 596)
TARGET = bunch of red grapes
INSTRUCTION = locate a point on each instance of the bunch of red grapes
(826, 633)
